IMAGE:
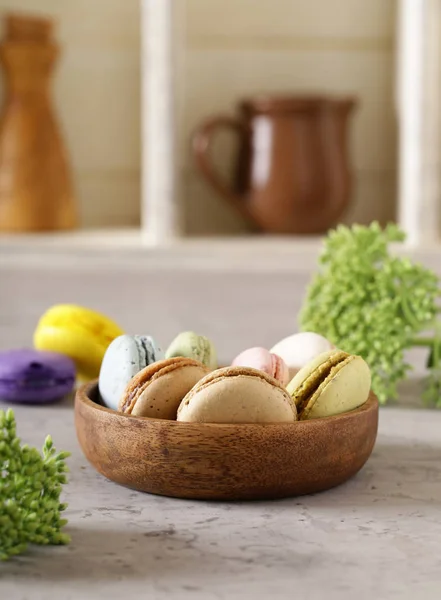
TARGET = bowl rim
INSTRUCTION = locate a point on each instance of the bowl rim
(82, 395)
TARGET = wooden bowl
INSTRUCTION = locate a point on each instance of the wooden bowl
(224, 462)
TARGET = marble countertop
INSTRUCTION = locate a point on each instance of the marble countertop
(376, 537)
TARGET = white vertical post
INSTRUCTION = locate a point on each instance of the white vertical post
(410, 85)
(431, 109)
(418, 86)
(161, 39)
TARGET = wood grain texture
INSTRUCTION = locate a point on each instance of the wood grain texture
(35, 185)
(224, 462)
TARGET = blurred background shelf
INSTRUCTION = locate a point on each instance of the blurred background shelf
(113, 248)
(232, 51)
(128, 248)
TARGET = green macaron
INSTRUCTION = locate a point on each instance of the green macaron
(191, 345)
(334, 382)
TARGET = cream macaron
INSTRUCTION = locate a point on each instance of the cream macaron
(299, 349)
(237, 395)
(157, 390)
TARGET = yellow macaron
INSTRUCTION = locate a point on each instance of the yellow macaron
(77, 332)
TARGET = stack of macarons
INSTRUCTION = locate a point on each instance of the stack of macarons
(138, 378)
(301, 377)
(69, 344)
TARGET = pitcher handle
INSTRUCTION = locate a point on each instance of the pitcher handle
(201, 143)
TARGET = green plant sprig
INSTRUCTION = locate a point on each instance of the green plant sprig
(30, 488)
(369, 302)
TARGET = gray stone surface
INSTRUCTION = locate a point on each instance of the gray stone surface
(235, 309)
(376, 537)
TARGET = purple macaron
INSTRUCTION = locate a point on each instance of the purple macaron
(35, 377)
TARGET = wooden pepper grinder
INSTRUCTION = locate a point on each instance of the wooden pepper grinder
(35, 183)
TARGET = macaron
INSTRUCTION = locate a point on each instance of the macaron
(263, 360)
(31, 376)
(82, 334)
(332, 383)
(299, 349)
(191, 345)
(237, 395)
(124, 358)
(158, 390)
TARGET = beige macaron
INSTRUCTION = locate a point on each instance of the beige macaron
(157, 390)
(237, 395)
(332, 383)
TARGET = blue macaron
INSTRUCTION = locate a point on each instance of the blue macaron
(124, 358)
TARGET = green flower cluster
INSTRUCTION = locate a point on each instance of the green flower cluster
(30, 487)
(371, 303)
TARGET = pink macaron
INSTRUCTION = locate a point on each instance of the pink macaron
(263, 360)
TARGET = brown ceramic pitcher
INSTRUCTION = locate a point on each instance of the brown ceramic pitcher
(293, 169)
